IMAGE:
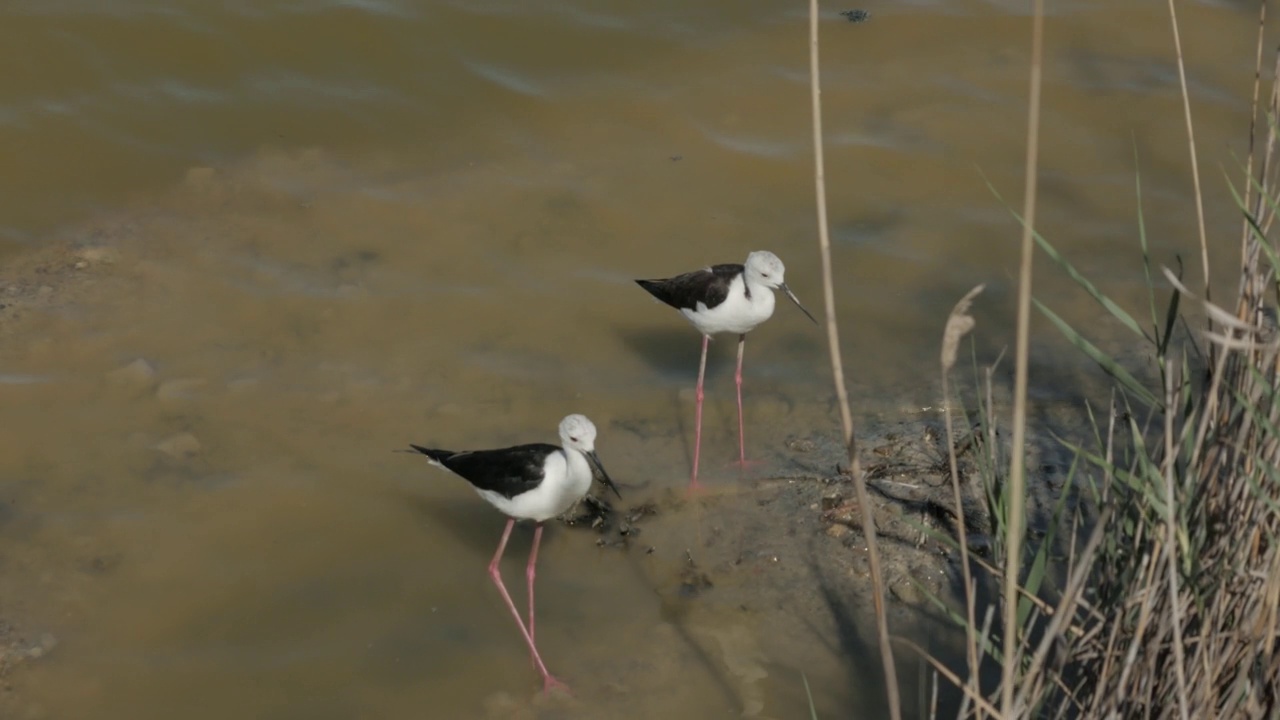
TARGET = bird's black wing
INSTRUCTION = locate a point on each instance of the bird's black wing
(508, 471)
(709, 286)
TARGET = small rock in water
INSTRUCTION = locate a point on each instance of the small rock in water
(180, 447)
(831, 499)
(96, 254)
(138, 373)
(803, 445)
(847, 514)
(178, 389)
(47, 643)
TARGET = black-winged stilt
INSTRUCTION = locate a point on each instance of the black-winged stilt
(529, 482)
(724, 298)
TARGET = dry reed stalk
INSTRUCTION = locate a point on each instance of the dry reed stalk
(1191, 142)
(959, 323)
(1253, 115)
(1171, 538)
(1017, 464)
(837, 371)
(946, 672)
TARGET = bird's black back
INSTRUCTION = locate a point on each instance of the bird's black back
(709, 286)
(507, 471)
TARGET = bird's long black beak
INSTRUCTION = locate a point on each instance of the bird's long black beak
(604, 476)
(792, 295)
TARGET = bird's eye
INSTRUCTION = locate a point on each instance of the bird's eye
(573, 439)
(764, 274)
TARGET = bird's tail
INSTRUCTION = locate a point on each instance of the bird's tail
(437, 457)
(650, 285)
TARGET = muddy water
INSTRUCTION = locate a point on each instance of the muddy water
(330, 229)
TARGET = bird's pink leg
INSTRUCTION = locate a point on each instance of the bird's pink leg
(697, 414)
(547, 680)
(737, 378)
(743, 463)
(530, 572)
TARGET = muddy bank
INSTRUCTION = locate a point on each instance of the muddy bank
(787, 557)
(32, 286)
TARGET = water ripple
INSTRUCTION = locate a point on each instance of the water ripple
(279, 81)
(169, 89)
(756, 146)
(20, 379)
(380, 8)
(505, 78)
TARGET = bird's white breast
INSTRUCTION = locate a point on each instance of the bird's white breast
(566, 478)
(737, 314)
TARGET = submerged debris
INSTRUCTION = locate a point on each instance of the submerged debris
(16, 649)
(693, 582)
(832, 499)
(139, 373)
(182, 446)
(847, 514)
(616, 528)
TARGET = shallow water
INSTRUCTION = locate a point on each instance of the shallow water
(335, 228)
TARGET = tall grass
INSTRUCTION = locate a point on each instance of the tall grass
(1171, 607)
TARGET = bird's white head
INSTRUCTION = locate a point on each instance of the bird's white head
(765, 268)
(578, 433)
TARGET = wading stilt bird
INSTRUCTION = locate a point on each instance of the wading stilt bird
(724, 298)
(529, 482)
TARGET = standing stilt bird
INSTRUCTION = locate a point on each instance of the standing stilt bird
(529, 482)
(724, 298)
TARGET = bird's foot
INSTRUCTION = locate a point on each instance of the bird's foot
(743, 464)
(549, 683)
(696, 489)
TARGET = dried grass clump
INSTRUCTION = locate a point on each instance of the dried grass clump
(1183, 613)
(1171, 608)
(1171, 605)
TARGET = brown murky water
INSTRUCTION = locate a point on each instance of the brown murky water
(333, 228)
